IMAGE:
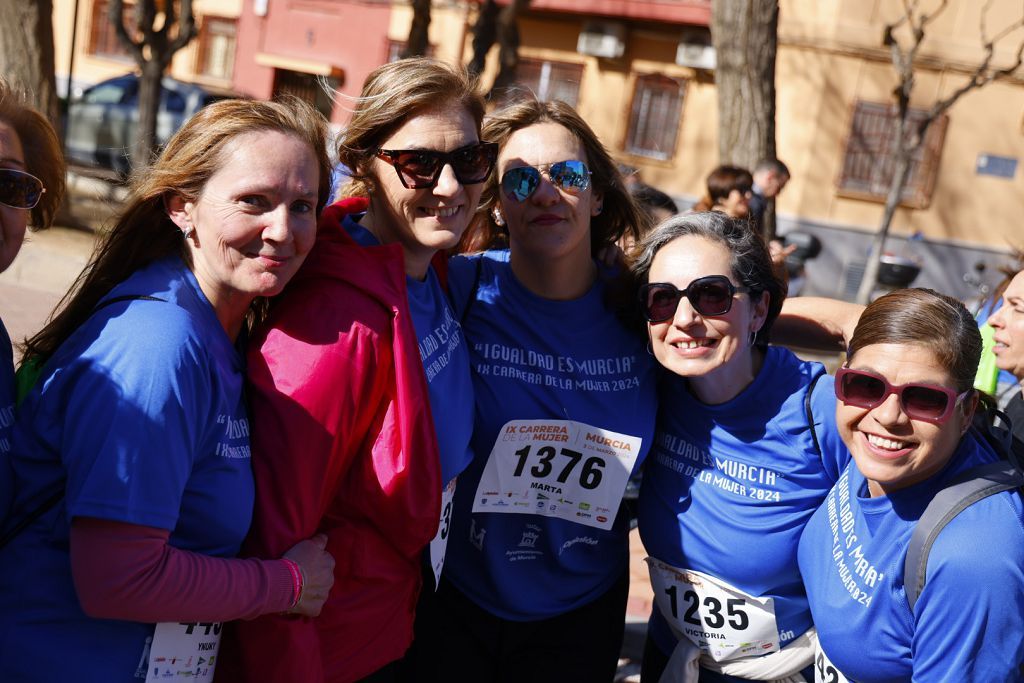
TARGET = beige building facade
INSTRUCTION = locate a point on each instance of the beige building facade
(652, 100)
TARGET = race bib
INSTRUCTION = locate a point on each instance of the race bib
(723, 621)
(183, 650)
(557, 468)
(439, 544)
(824, 670)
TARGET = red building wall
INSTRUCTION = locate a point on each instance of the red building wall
(349, 37)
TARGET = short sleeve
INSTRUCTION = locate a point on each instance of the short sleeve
(968, 617)
(134, 401)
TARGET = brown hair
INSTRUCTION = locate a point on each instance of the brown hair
(724, 179)
(620, 214)
(43, 157)
(922, 316)
(392, 94)
(751, 262)
(144, 233)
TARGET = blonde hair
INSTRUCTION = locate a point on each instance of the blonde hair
(393, 94)
(144, 233)
(43, 157)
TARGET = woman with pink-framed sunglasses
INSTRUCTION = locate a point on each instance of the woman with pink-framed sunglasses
(904, 411)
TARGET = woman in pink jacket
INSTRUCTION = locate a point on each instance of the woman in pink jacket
(360, 383)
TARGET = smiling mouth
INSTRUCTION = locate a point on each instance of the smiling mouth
(442, 212)
(693, 344)
(885, 444)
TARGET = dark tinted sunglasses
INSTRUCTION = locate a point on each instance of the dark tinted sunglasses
(19, 190)
(710, 296)
(570, 176)
(419, 169)
(919, 401)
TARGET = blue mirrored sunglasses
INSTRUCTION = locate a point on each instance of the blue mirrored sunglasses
(570, 176)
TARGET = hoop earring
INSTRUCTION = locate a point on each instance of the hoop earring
(753, 338)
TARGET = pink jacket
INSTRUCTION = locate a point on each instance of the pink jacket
(343, 443)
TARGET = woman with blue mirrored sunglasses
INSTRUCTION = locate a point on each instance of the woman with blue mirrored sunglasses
(564, 414)
(570, 176)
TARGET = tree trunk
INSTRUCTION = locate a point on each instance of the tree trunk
(417, 43)
(152, 46)
(26, 52)
(744, 33)
(149, 106)
(485, 32)
(508, 45)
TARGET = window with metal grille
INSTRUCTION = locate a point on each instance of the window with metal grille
(654, 116)
(547, 81)
(869, 160)
(103, 41)
(217, 48)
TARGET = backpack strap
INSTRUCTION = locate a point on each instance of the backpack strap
(970, 487)
(25, 382)
(810, 415)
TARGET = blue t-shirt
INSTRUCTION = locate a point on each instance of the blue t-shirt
(7, 394)
(729, 487)
(139, 418)
(538, 359)
(445, 360)
(967, 623)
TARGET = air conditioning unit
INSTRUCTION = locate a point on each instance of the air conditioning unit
(602, 39)
(695, 50)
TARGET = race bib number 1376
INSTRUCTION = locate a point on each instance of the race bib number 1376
(557, 468)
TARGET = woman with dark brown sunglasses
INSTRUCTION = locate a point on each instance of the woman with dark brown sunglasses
(360, 382)
(904, 410)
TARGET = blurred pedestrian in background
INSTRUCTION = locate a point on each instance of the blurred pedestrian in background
(1007, 325)
(770, 177)
(729, 189)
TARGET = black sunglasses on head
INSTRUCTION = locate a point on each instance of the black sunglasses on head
(419, 169)
(710, 296)
(20, 190)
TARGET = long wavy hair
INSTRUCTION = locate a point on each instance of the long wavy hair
(144, 232)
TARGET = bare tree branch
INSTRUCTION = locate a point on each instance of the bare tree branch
(116, 17)
(908, 139)
(186, 27)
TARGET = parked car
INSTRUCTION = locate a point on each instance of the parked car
(102, 122)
